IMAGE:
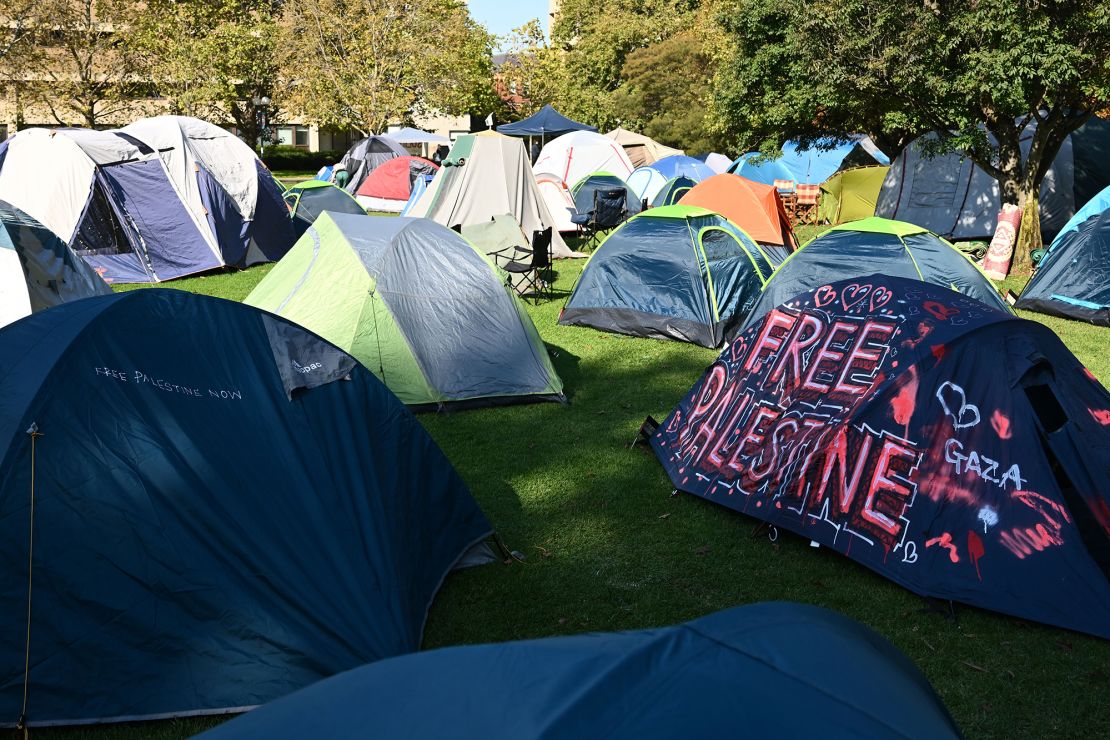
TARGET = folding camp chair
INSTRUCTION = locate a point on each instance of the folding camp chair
(805, 204)
(533, 271)
(610, 211)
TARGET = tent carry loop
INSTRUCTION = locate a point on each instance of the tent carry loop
(34, 433)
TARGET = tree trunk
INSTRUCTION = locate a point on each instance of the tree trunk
(1029, 234)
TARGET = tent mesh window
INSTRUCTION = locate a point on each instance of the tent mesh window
(718, 244)
(100, 231)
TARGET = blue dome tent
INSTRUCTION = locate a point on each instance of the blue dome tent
(742, 672)
(224, 507)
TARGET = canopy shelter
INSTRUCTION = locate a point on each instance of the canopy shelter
(488, 175)
(418, 305)
(952, 196)
(546, 123)
(763, 670)
(37, 269)
(641, 150)
(158, 199)
(946, 444)
(675, 272)
(875, 245)
(812, 165)
(1073, 278)
(226, 508)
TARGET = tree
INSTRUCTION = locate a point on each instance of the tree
(536, 68)
(81, 68)
(366, 63)
(979, 73)
(663, 89)
(213, 58)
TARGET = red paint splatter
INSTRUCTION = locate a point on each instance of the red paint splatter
(975, 550)
(945, 541)
(1001, 424)
(941, 311)
(1102, 416)
(905, 400)
(1090, 375)
(939, 351)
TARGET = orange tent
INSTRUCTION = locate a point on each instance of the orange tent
(754, 207)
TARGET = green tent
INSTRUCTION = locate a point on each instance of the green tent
(307, 200)
(851, 194)
(416, 304)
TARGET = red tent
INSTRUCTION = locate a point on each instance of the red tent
(388, 187)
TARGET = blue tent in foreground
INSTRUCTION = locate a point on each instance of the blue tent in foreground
(1073, 278)
(226, 508)
(546, 122)
(765, 670)
(946, 444)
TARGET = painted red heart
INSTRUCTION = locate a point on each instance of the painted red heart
(880, 297)
(939, 310)
(824, 296)
(853, 294)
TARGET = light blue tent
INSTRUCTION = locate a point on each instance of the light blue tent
(647, 181)
(809, 167)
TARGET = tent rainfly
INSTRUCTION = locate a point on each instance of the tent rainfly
(642, 150)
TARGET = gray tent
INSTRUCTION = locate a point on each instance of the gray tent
(37, 269)
(951, 196)
(366, 156)
(488, 175)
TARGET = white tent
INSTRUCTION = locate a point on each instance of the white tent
(487, 175)
(161, 198)
(559, 202)
(37, 269)
(719, 163)
(642, 149)
(578, 154)
(409, 135)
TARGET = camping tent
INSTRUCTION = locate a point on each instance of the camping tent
(546, 122)
(810, 166)
(673, 191)
(640, 149)
(953, 197)
(418, 305)
(559, 201)
(1073, 278)
(226, 508)
(161, 198)
(583, 191)
(676, 272)
(647, 181)
(37, 269)
(308, 199)
(486, 176)
(389, 186)
(754, 207)
(576, 155)
(850, 195)
(408, 135)
(719, 163)
(367, 155)
(763, 670)
(955, 449)
(875, 245)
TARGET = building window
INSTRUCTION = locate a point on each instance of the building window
(285, 135)
(300, 136)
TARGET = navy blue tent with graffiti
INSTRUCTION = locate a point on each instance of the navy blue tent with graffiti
(743, 672)
(1073, 278)
(952, 447)
(226, 509)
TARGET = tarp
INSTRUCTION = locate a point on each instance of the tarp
(754, 207)
(545, 122)
(641, 149)
(226, 508)
(763, 670)
(875, 245)
(675, 272)
(850, 195)
(809, 166)
(576, 155)
(1073, 278)
(389, 186)
(953, 448)
(487, 176)
(37, 269)
(418, 305)
(953, 197)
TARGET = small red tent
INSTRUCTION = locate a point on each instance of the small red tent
(388, 187)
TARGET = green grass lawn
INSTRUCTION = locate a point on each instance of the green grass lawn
(608, 548)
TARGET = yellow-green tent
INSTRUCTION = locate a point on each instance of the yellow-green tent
(850, 195)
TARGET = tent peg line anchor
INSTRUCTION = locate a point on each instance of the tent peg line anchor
(644, 433)
(772, 531)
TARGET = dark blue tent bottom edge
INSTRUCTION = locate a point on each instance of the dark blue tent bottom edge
(641, 324)
(485, 402)
(1096, 316)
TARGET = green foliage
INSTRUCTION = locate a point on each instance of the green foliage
(663, 91)
(363, 64)
(291, 158)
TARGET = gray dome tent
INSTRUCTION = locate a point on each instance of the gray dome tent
(366, 156)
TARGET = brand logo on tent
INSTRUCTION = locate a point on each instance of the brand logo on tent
(304, 369)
